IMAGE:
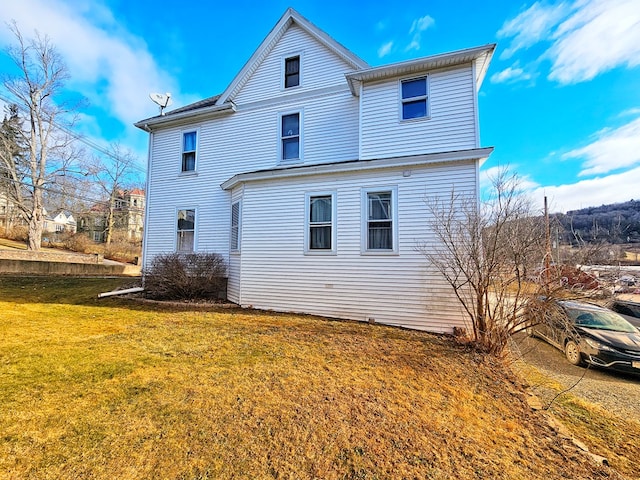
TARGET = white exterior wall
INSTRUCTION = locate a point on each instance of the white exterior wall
(244, 141)
(392, 289)
(320, 68)
(450, 126)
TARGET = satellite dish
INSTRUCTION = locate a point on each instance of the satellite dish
(161, 99)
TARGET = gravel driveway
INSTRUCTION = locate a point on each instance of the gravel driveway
(617, 393)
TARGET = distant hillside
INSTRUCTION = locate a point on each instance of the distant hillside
(615, 223)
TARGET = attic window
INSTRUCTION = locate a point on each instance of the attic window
(292, 72)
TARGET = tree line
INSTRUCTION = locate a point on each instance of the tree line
(615, 223)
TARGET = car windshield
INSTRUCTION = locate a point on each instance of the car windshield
(600, 319)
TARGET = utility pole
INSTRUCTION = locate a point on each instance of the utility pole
(547, 255)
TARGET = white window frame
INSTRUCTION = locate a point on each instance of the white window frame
(195, 229)
(283, 70)
(364, 229)
(307, 223)
(300, 158)
(182, 151)
(425, 97)
(235, 248)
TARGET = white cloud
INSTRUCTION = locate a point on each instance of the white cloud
(111, 67)
(531, 26)
(511, 75)
(598, 37)
(596, 191)
(582, 39)
(613, 149)
(418, 26)
(385, 49)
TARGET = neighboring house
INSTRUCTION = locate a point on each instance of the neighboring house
(128, 217)
(9, 214)
(61, 222)
(309, 174)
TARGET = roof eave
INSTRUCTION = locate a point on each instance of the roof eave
(432, 62)
(165, 120)
(414, 160)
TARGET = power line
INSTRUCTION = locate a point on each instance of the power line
(59, 192)
(77, 136)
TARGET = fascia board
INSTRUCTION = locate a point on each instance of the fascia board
(190, 115)
(361, 165)
(432, 62)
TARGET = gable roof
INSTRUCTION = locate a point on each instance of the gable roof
(290, 17)
(481, 55)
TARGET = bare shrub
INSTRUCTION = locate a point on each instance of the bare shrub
(488, 253)
(79, 242)
(19, 233)
(122, 250)
(175, 276)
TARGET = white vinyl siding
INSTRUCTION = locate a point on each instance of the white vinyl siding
(397, 290)
(451, 124)
(320, 66)
(244, 141)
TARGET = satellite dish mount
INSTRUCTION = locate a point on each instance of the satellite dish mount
(163, 100)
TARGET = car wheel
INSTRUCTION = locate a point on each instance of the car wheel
(572, 352)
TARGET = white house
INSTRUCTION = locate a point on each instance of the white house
(309, 174)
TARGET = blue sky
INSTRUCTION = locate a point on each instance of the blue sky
(560, 103)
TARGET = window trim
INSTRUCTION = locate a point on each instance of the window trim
(425, 97)
(364, 228)
(300, 158)
(182, 151)
(195, 229)
(334, 223)
(283, 70)
(236, 248)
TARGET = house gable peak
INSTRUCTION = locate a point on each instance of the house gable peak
(289, 18)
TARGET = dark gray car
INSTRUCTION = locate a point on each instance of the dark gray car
(590, 334)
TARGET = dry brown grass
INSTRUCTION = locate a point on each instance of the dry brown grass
(117, 389)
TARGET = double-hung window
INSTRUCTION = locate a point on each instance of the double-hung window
(189, 147)
(235, 227)
(292, 71)
(290, 137)
(414, 94)
(186, 229)
(320, 222)
(379, 220)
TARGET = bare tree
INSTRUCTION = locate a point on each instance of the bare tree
(113, 175)
(41, 78)
(490, 254)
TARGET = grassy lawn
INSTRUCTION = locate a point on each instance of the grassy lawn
(119, 389)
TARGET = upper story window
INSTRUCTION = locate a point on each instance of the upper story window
(379, 221)
(320, 224)
(414, 98)
(290, 136)
(292, 71)
(189, 145)
(186, 229)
